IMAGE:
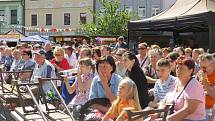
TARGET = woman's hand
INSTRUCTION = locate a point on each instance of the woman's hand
(103, 77)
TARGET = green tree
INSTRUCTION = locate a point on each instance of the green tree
(110, 20)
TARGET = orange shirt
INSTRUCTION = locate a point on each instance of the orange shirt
(209, 100)
(122, 104)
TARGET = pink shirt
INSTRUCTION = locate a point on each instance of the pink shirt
(194, 91)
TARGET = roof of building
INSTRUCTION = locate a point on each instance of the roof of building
(184, 15)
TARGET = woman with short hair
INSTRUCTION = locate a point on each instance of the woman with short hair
(105, 84)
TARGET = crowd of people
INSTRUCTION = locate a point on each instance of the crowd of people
(183, 77)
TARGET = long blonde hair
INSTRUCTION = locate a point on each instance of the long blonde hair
(131, 94)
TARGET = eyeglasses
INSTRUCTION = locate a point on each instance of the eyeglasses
(57, 54)
(24, 54)
(141, 48)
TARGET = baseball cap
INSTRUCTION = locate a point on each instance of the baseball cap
(40, 52)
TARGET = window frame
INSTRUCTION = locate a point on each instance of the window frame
(48, 23)
(81, 21)
(64, 20)
(15, 19)
(32, 19)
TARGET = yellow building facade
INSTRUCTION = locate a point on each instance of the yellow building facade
(54, 16)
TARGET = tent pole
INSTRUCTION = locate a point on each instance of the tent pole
(175, 36)
(212, 37)
(128, 39)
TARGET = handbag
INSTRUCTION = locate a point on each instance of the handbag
(173, 102)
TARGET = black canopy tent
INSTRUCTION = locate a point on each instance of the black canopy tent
(183, 16)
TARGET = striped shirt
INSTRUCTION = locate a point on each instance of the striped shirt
(161, 89)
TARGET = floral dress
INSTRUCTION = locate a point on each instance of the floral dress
(82, 96)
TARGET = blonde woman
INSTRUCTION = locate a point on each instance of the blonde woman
(59, 61)
(127, 96)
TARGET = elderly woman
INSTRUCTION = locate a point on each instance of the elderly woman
(150, 70)
(9, 59)
(29, 63)
(59, 61)
(105, 84)
(17, 61)
(187, 97)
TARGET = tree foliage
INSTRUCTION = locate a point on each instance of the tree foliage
(110, 20)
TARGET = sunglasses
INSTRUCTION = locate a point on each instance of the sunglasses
(57, 54)
(141, 48)
(24, 54)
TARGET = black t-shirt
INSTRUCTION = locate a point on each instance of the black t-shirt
(49, 55)
(138, 76)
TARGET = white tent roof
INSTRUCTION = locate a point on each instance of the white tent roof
(184, 8)
(35, 38)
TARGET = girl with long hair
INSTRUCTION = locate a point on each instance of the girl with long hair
(127, 96)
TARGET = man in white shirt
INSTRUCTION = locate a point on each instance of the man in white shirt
(43, 69)
(142, 56)
(71, 56)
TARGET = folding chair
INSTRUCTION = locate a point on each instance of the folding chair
(48, 110)
(9, 94)
(134, 115)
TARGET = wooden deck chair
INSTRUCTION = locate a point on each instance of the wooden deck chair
(50, 111)
(32, 111)
(8, 92)
(135, 115)
(11, 76)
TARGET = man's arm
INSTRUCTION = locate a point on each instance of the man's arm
(210, 90)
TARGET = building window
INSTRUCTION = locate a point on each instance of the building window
(33, 20)
(141, 12)
(66, 18)
(13, 14)
(155, 10)
(128, 9)
(83, 18)
(2, 13)
(48, 19)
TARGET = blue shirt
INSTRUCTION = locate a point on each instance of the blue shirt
(97, 90)
(161, 89)
(65, 93)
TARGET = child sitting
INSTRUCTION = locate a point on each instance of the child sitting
(82, 83)
(165, 82)
(127, 96)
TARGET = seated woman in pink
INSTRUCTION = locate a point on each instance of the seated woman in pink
(188, 95)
